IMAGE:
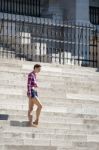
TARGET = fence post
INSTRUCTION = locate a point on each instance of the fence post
(98, 50)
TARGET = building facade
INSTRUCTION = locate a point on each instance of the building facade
(58, 31)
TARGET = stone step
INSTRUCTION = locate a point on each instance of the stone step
(10, 62)
(42, 84)
(67, 85)
(44, 76)
(63, 69)
(25, 147)
(43, 91)
(23, 105)
(86, 119)
(65, 120)
(50, 92)
(45, 109)
(68, 108)
(44, 130)
(53, 71)
(83, 97)
(49, 142)
(46, 122)
(10, 98)
(49, 125)
(84, 146)
(56, 76)
(86, 128)
(60, 138)
(47, 131)
(10, 134)
(23, 85)
(73, 138)
(28, 64)
(71, 99)
(13, 76)
(69, 119)
(74, 128)
(48, 115)
(15, 100)
(54, 116)
(87, 145)
(7, 61)
(82, 109)
(36, 142)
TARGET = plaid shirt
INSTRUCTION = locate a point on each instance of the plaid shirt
(32, 82)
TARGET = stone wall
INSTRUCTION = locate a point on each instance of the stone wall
(59, 9)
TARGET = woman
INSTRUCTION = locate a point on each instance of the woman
(33, 95)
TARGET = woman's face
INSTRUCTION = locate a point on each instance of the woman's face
(38, 69)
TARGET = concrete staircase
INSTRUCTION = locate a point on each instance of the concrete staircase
(70, 115)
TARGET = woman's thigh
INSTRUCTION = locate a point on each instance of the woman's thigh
(31, 104)
(36, 101)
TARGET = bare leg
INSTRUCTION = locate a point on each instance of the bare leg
(30, 109)
(38, 111)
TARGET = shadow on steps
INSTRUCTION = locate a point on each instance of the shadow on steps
(4, 117)
(19, 123)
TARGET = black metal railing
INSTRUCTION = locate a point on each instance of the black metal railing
(21, 7)
(94, 15)
(46, 40)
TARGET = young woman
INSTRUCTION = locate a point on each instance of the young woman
(33, 95)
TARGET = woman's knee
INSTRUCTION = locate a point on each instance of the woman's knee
(37, 102)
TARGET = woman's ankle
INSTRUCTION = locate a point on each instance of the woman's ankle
(36, 121)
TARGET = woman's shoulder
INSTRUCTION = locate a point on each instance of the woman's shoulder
(31, 74)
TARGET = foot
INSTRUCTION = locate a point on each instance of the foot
(35, 123)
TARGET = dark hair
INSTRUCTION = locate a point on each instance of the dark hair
(37, 66)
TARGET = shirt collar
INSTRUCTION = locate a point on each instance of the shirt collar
(34, 73)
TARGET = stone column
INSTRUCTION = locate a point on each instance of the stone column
(82, 10)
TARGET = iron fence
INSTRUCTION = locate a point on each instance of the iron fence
(94, 15)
